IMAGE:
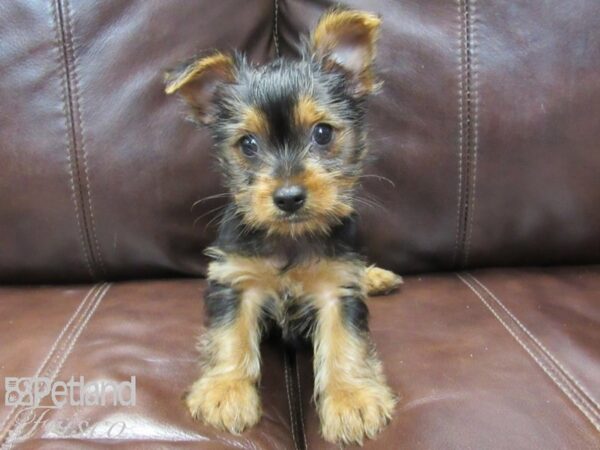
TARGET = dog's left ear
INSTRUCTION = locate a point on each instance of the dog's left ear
(197, 82)
(344, 40)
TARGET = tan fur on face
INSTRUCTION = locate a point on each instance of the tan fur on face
(254, 122)
(325, 205)
(328, 192)
(308, 113)
(251, 121)
(226, 396)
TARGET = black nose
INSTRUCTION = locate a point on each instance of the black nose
(289, 198)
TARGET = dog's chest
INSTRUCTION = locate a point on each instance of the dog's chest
(292, 309)
(301, 288)
(286, 253)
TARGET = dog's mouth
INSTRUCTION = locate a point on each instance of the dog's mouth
(296, 223)
(298, 217)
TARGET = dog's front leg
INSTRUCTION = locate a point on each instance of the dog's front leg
(226, 395)
(353, 399)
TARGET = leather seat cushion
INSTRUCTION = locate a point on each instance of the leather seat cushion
(502, 358)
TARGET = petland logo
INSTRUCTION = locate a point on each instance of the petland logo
(31, 391)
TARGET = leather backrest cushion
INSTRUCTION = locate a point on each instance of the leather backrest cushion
(99, 168)
(487, 129)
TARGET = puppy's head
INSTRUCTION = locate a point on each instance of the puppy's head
(290, 134)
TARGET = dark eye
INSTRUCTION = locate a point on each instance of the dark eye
(249, 146)
(322, 134)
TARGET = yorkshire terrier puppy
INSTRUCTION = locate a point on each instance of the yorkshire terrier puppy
(291, 139)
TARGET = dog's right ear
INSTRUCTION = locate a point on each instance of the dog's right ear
(344, 41)
(197, 81)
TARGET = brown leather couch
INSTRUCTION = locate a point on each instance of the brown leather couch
(488, 129)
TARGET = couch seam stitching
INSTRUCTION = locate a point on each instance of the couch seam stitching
(71, 152)
(567, 390)
(468, 134)
(276, 28)
(98, 299)
(544, 349)
(467, 124)
(73, 337)
(300, 403)
(73, 132)
(474, 99)
(10, 437)
(76, 101)
(57, 347)
(459, 4)
(64, 346)
(291, 409)
(52, 349)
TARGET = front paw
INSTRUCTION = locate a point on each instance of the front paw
(349, 414)
(230, 404)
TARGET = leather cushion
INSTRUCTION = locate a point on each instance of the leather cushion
(503, 358)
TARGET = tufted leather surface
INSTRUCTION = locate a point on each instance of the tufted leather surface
(111, 168)
(113, 332)
(490, 359)
(486, 131)
(503, 358)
